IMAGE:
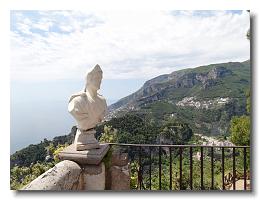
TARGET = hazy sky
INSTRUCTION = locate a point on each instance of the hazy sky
(53, 45)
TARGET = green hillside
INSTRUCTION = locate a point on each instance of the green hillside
(207, 85)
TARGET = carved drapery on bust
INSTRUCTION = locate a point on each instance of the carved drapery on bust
(88, 108)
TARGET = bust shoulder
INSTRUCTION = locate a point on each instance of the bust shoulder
(77, 98)
(101, 97)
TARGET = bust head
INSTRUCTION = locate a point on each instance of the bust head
(93, 78)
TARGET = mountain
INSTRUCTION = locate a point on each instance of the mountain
(206, 97)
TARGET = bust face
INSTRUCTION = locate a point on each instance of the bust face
(95, 81)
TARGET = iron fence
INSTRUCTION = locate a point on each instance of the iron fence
(149, 159)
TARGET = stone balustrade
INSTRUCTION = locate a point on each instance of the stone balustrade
(85, 172)
(63, 176)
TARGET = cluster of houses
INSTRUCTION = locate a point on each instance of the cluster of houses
(205, 104)
(211, 141)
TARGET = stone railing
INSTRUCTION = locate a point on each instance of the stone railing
(96, 169)
(63, 176)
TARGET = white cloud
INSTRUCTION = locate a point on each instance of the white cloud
(24, 28)
(44, 26)
(127, 44)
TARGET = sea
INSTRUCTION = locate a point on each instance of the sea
(32, 121)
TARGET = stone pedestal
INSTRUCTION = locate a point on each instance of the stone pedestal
(86, 157)
(118, 175)
(90, 161)
(85, 140)
(93, 177)
(120, 178)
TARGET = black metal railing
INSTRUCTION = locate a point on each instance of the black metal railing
(153, 174)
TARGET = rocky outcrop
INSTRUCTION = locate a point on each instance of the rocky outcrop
(219, 72)
(208, 79)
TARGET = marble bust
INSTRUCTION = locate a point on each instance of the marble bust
(88, 108)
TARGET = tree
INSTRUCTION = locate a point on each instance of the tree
(60, 147)
(176, 132)
(240, 130)
(109, 135)
(248, 101)
(240, 126)
(21, 176)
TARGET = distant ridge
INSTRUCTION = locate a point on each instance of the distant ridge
(204, 83)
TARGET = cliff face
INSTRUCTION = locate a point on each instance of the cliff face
(205, 84)
(205, 77)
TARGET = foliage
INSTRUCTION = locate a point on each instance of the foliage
(176, 133)
(109, 135)
(108, 157)
(240, 130)
(134, 167)
(248, 101)
(240, 126)
(21, 176)
(50, 149)
(199, 120)
(30, 154)
(60, 147)
(136, 128)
